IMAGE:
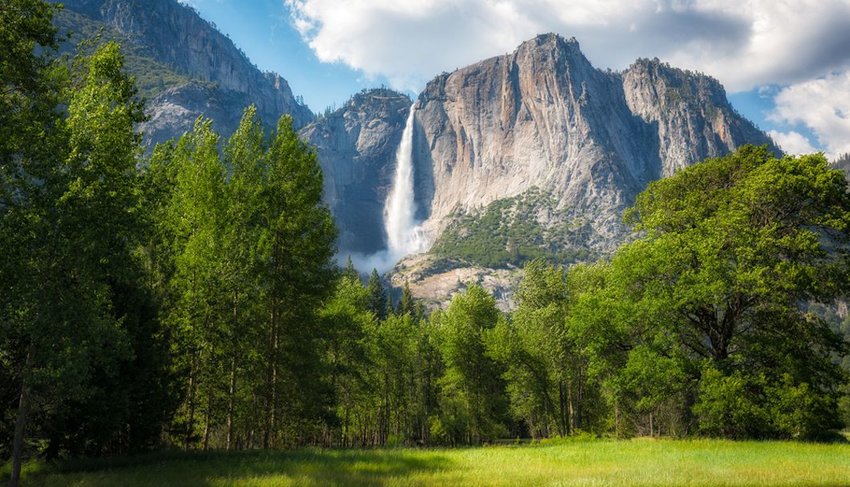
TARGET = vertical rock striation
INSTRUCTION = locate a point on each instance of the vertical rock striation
(544, 117)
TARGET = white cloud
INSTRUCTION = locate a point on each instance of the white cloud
(792, 142)
(744, 43)
(823, 105)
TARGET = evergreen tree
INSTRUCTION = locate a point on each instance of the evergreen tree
(295, 262)
(406, 304)
(377, 295)
(389, 307)
(348, 320)
(349, 271)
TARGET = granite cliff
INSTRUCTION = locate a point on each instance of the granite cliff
(544, 117)
(184, 66)
(537, 153)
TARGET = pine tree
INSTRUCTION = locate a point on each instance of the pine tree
(377, 295)
(406, 304)
(349, 271)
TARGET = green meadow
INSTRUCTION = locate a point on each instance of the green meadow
(642, 462)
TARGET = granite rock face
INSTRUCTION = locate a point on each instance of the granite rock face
(216, 78)
(356, 146)
(544, 117)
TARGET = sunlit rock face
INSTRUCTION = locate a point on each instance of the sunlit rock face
(544, 117)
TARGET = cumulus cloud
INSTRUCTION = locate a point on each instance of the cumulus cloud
(744, 43)
(823, 105)
(792, 142)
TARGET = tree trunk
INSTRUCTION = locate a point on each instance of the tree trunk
(190, 427)
(651, 426)
(271, 406)
(207, 415)
(21, 423)
(231, 400)
(274, 419)
(563, 423)
(616, 418)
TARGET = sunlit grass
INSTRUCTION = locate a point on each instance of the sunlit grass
(589, 462)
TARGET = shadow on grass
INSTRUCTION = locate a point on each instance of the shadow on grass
(202, 469)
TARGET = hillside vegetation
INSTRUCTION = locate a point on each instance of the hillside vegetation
(514, 231)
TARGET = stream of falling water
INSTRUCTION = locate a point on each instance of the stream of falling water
(404, 235)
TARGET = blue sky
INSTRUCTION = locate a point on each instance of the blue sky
(264, 30)
(784, 63)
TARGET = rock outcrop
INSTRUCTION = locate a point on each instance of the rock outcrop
(199, 70)
(544, 117)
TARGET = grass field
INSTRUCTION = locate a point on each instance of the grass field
(588, 462)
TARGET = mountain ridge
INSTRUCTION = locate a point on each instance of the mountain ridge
(210, 76)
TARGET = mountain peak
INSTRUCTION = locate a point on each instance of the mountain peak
(367, 97)
(551, 38)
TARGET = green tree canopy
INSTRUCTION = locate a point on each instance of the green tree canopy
(733, 249)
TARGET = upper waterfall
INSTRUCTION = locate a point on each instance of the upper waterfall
(404, 235)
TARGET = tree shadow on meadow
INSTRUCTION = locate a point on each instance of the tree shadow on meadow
(341, 467)
(302, 467)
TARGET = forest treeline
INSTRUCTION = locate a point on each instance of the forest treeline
(189, 297)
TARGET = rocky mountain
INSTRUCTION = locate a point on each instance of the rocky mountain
(532, 154)
(183, 64)
(536, 154)
(544, 117)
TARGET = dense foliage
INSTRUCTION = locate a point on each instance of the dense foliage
(188, 298)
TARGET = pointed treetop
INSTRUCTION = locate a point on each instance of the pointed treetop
(377, 295)
(349, 271)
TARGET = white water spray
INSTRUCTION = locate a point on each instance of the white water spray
(404, 235)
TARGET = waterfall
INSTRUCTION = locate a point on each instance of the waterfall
(404, 235)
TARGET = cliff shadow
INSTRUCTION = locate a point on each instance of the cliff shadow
(423, 172)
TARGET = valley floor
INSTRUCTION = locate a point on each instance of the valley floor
(643, 462)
